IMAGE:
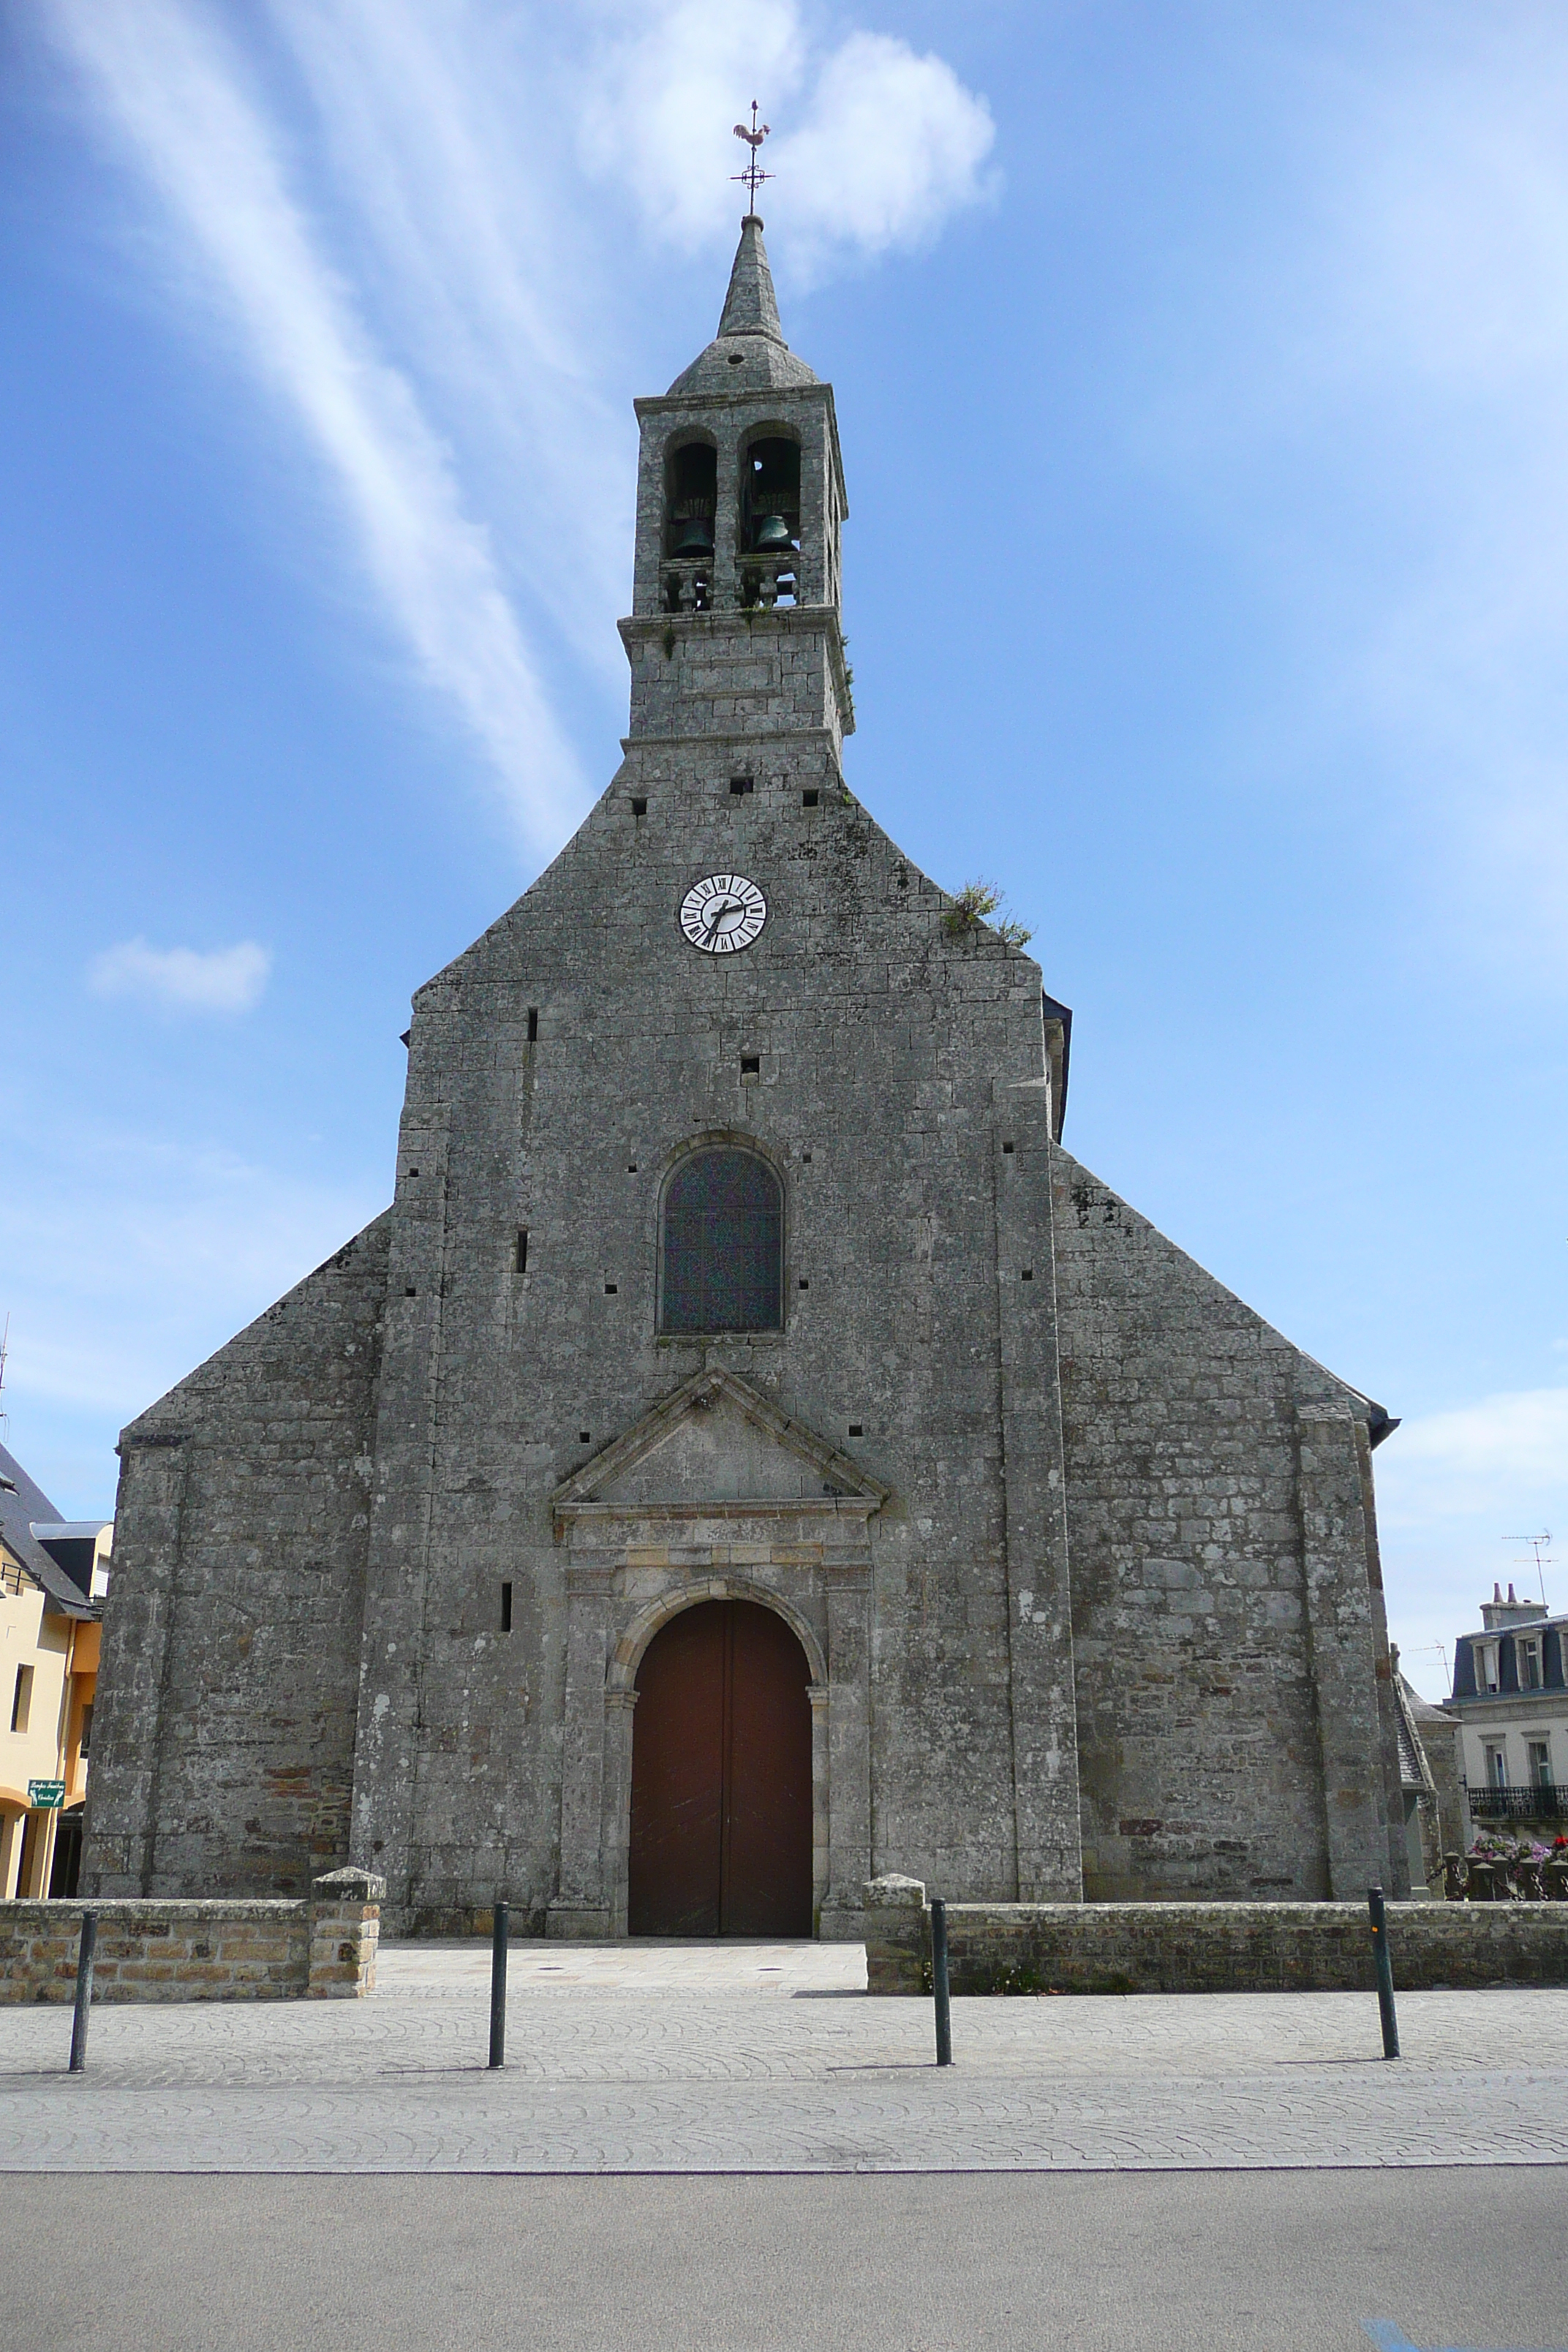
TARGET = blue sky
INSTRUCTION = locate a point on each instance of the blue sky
(1202, 372)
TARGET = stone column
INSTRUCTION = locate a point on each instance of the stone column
(819, 1695)
(345, 1929)
(619, 1714)
(582, 1903)
(1347, 1657)
(848, 1600)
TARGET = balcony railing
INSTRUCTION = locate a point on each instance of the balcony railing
(1518, 1804)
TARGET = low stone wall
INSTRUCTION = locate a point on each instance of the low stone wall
(324, 1948)
(1029, 1947)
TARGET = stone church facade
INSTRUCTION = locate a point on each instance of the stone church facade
(749, 1447)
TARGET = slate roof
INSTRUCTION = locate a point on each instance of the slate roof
(23, 1500)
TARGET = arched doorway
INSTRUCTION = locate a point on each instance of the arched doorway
(720, 1841)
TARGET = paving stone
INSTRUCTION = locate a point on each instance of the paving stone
(741, 2058)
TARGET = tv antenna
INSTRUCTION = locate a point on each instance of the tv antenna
(753, 175)
(1543, 1560)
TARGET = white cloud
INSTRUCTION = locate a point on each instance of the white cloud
(183, 980)
(891, 145)
(180, 99)
(874, 148)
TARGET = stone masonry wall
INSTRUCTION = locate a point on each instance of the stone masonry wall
(1227, 1626)
(224, 1732)
(1134, 1947)
(885, 1048)
(153, 1951)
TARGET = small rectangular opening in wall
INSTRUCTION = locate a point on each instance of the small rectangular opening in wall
(739, 784)
(857, 1429)
(639, 805)
(809, 799)
(522, 1259)
(584, 1438)
(506, 1608)
(806, 1158)
(631, 1168)
(533, 1025)
(804, 1283)
(751, 1064)
(410, 1292)
(609, 1290)
(1006, 1147)
(1028, 1274)
(414, 1171)
(22, 1698)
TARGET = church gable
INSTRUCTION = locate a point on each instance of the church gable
(317, 1337)
(718, 1440)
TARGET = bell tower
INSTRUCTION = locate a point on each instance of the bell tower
(734, 637)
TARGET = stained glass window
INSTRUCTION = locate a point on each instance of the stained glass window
(723, 1240)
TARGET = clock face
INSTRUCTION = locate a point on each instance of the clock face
(722, 913)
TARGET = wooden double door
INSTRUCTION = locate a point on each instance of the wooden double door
(721, 1834)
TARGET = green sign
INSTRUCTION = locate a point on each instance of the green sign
(48, 1795)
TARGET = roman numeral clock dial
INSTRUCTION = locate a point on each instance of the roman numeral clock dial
(722, 913)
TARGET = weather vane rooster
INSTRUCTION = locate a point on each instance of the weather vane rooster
(753, 175)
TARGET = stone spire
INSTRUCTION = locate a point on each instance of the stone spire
(749, 353)
(750, 307)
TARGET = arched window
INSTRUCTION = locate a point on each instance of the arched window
(723, 1245)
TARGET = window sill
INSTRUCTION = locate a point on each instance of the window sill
(718, 1339)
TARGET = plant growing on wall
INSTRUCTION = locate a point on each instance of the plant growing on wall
(975, 904)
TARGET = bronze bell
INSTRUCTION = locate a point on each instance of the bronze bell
(695, 536)
(773, 536)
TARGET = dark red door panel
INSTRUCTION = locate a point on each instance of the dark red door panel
(721, 1832)
(767, 1876)
(678, 1772)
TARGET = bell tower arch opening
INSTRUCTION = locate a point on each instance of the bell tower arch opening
(770, 518)
(721, 1796)
(691, 505)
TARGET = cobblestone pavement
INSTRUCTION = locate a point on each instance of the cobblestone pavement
(768, 2058)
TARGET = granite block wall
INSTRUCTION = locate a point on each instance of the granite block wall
(1141, 1948)
(223, 1739)
(1229, 1635)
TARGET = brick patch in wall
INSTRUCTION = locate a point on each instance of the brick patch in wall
(322, 1949)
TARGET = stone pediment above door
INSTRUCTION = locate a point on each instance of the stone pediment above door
(718, 1448)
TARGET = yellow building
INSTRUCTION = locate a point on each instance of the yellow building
(53, 1575)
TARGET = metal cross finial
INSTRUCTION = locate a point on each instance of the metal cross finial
(753, 175)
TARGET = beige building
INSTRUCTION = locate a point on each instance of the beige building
(53, 1575)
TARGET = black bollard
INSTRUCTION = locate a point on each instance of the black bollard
(86, 1947)
(498, 1986)
(1384, 1968)
(939, 1981)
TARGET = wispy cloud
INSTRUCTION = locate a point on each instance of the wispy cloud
(1395, 341)
(414, 219)
(1458, 1493)
(1505, 1456)
(133, 1256)
(191, 115)
(183, 980)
